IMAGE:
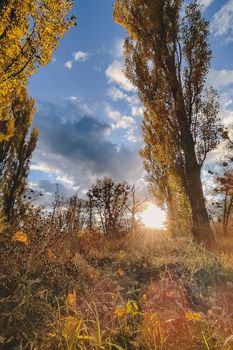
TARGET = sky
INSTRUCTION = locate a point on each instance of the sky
(88, 113)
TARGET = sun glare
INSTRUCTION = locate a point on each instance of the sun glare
(153, 217)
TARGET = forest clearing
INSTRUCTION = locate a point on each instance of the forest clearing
(116, 175)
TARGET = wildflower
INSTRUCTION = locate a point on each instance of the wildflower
(71, 299)
(119, 311)
(20, 237)
(193, 316)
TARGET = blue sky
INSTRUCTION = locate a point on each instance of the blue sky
(89, 115)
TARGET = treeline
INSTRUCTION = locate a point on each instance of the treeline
(109, 207)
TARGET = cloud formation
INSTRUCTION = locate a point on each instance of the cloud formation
(115, 74)
(69, 64)
(205, 3)
(76, 145)
(78, 56)
(221, 25)
(220, 78)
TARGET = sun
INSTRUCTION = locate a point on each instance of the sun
(153, 217)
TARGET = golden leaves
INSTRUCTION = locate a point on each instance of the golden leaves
(33, 30)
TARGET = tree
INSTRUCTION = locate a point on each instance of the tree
(222, 191)
(167, 58)
(75, 217)
(15, 154)
(135, 206)
(109, 199)
(163, 163)
(29, 32)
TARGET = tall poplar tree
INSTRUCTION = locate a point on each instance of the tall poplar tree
(29, 32)
(167, 58)
(15, 154)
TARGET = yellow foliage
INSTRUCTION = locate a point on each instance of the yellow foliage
(131, 307)
(193, 316)
(20, 237)
(33, 29)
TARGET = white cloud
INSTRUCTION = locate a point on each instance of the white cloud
(116, 94)
(220, 78)
(43, 167)
(69, 64)
(221, 24)
(121, 121)
(118, 48)
(80, 56)
(133, 136)
(137, 111)
(205, 3)
(113, 114)
(125, 122)
(115, 75)
(136, 106)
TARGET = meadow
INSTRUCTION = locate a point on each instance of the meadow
(145, 290)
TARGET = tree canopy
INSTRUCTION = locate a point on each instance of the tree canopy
(29, 33)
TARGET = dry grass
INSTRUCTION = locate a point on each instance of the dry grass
(144, 291)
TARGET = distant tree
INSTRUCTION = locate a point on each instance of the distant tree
(75, 214)
(167, 58)
(109, 200)
(29, 32)
(135, 206)
(222, 192)
(15, 154)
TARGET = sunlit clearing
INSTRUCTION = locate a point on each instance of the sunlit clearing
(153, 217)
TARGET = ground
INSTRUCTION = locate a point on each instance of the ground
(143, 291)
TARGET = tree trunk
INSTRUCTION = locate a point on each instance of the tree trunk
(201, 229)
